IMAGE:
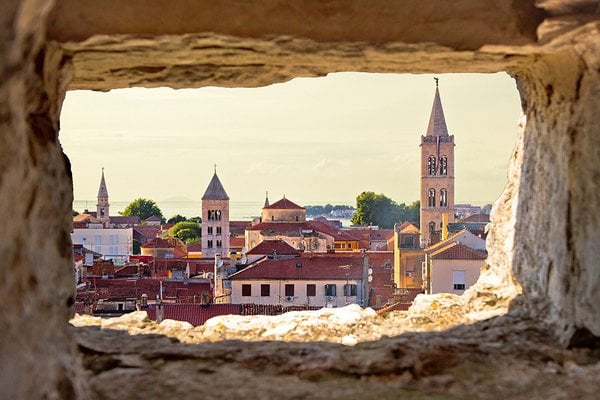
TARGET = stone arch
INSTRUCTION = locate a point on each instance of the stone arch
(48, 47)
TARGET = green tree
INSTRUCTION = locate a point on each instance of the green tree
(380, 210)
(196, 219)
(176, 218)
(188, 231)
(143, 208)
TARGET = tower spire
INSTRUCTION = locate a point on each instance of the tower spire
(437, 121)
(102, 191)
(266, 199)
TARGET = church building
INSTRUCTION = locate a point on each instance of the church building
(215, 219)
(437, 175)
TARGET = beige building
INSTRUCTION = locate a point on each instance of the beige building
(283, 211)
(323, 280)
(437, 174)
(453, 268)
(215, 219)
(453, 265)
(408, 256)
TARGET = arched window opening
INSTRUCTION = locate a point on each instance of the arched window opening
(431, 165)
(443, 198)
(431, 198)
(432, 227)
(443, 165)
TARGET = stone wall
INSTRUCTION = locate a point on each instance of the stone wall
(545, 224)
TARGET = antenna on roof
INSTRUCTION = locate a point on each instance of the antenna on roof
(436, 79)
(215, 169)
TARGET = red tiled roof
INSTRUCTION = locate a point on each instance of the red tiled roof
(238, 227)
(237, 242)
(483, 218)
(195, 314)
(284, 204)
(124, 219)
(337, 234)
(134, 288)
(296, 227)
(408, 227)
(196, 247)
(309, 267)
(160, 243)
(457, 251)
(281, 227)
(267, 247)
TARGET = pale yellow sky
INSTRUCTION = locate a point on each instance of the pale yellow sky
(314, 139)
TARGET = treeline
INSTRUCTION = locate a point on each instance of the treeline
(380, 210)
(326, 209)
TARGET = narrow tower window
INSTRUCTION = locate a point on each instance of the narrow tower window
(443, 198)
(432, 227)
(431, 164)
(431, 198)
(443, 165)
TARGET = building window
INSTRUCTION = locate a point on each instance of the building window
(265, 290)
(431, 198)
(330, 290)
(296, 218)
(272, 218)
(431, 164)
(218, 230)
(219, 244)
(443, 198)
(443, 165)
(458, 280)
(214, 215)
(289, 290)
(209, 230)
(311, 290)
(350, 289)
(209, 244)
(432, 226)
(102, 212)
(246, 290)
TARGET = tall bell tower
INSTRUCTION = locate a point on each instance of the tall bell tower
(102, 207)
(215, 219)
(437, 173)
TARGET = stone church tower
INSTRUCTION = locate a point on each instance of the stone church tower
(102, 207)
(215, 219)
(437, 173)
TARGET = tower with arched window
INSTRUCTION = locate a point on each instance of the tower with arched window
(437, 173)
(102, 207)
(215, 219)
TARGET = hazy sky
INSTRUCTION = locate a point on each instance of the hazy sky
(315, 140)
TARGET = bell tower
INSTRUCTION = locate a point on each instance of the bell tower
(102, 207)
(215, 219)
(437, 174)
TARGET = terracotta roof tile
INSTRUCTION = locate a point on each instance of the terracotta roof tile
(482, 218)
(284, 204)
(268, 247)
(308, 267)
(195, 314)
(457, 251)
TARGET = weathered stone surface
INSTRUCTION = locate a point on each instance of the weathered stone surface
(504, 358)
(37, 355)
(545, 225)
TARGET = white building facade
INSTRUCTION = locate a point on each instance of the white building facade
(113, 243)
(288, 292)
